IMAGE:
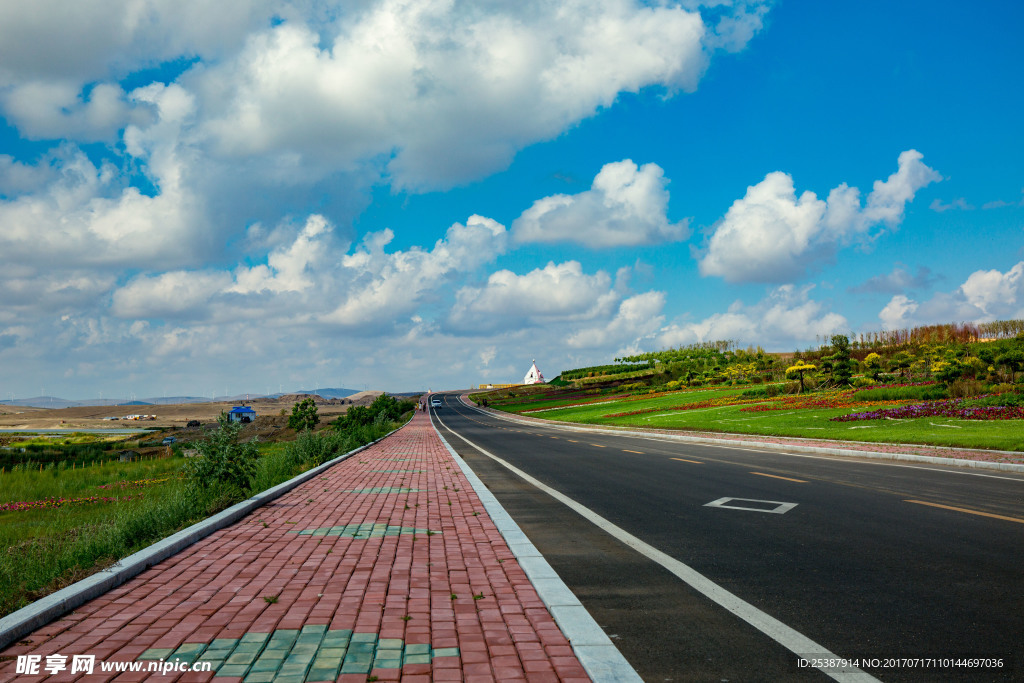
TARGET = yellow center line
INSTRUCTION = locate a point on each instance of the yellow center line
(970, 512)
(572, 441)
(695, 462)
(597, 445)
(637, 452)
(554, 437)
(775, 476)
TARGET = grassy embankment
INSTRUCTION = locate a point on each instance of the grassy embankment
(73, 522)
(809, 416)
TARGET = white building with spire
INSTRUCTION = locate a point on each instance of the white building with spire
(534, 376)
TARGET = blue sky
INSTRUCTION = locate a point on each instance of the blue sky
(375, 194)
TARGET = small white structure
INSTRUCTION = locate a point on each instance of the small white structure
(534, 376)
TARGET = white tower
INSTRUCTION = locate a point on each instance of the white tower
(534, 376)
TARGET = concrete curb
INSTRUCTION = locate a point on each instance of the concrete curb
(600, 658)
(20, 623)
(759, 445)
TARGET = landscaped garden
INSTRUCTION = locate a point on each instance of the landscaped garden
(947, 385)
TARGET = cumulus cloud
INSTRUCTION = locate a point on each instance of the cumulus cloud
(771, 235)
(556, 292)
(984, 296)
(86, 214)
(625, 206)
(636, 318)
(312, 281)
(387, 285)
(444, 91)
(786, 317)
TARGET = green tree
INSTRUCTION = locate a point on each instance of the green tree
(842, 367)
(1012, 361)
(873, 364)
(901, 362)
(223, 460)
(798, 370)
(304, 415)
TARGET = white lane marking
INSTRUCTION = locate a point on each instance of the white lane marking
(780, 508)
(789, 638)
(831, 458)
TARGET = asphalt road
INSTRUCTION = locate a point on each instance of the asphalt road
(868, 559)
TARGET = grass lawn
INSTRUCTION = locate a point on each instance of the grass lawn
(48, 548)
(805, 422)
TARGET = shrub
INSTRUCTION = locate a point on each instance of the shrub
(304, 415)
(223, 460)
(929, 392)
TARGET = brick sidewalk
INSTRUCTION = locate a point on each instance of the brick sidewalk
(386, 566)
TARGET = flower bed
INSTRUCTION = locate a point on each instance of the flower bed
(59, 502)
(137, 484)
(951, 408)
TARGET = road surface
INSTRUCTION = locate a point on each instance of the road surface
(889, 565)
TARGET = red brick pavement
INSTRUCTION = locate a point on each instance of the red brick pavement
(422, 579)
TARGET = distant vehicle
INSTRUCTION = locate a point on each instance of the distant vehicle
(194, 423)
(435, 403)
(168, 441)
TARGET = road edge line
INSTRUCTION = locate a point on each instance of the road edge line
(788, 637)
(597, 653)
(20, 623)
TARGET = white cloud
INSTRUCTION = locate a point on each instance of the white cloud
(984, 296)
(53, 110)
(385, 286)
(448, 90)
(897, 312)
(771, 235)
(637, 317)
(994, 293)
(625, 206)
(556, 292)
(787, 317)
(959, 204)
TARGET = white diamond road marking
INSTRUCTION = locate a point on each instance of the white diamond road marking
(780, 509)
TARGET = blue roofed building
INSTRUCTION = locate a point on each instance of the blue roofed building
(241, 414)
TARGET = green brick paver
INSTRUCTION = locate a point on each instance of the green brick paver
(335, 585)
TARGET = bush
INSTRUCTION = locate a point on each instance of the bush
(1011, 399)
(965, 388)
(223, 460)
(930, 392)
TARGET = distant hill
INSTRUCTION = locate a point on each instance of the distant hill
(57, 402)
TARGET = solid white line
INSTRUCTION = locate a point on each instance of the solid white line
(789, 638)
(600, 658)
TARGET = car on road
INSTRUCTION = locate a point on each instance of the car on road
(435, 403)
(168, 441)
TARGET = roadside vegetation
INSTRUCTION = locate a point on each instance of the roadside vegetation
(64, 518)
(945, 385)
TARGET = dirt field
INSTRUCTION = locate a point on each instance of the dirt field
(169, 416)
